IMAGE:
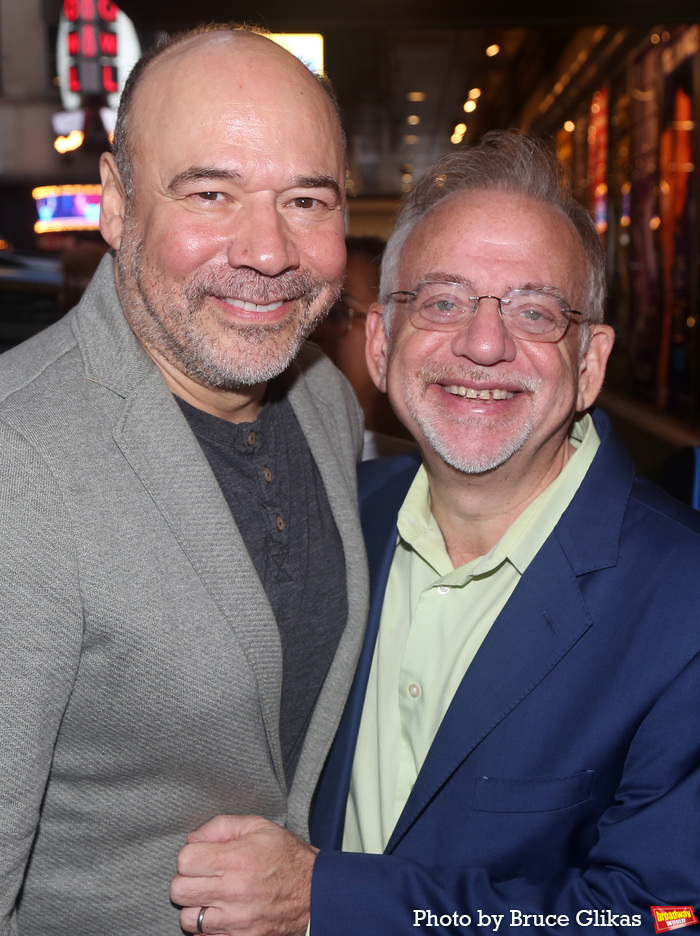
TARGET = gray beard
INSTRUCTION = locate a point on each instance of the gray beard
(262, 352)
(477, 462)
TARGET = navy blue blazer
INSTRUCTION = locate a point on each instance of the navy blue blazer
(565, 777)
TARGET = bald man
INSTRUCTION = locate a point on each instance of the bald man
(178, 470)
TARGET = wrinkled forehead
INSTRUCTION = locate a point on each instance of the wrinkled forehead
(509, 236)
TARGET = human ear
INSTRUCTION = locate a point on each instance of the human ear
(376, 345)
(113, 201)
(593, 364)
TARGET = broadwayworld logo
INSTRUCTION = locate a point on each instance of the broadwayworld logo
(672, 918)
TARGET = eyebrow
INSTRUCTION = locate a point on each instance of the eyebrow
(440, 277)
(203, 174)
(321, 181)
(547, 290)
(214, 174)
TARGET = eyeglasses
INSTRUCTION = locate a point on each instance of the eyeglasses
(534, 315)
(338, 322)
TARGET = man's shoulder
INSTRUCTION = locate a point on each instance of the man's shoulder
(634, 549)
(653, 508)
(616, 514)
(613, 487)
(23, 365)
(93, 342)
(33, 361)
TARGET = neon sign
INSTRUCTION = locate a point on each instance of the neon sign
(96, 49)
(91, 45)
(67, 208)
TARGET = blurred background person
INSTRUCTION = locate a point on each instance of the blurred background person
(342, 337)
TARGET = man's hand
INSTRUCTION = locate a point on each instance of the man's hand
(253, 877)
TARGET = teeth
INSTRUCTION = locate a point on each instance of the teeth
(253, 306)
(472, 394)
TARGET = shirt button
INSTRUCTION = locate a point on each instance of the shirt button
(251, 438)
(443, 589)
(415, 691)
(268, 474)
(280, 524)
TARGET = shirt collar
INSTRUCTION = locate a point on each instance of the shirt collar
(418, 529)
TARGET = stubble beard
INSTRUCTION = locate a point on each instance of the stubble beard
(482, 456)
(217, 353)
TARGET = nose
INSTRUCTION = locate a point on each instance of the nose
(261, 240)
(484, 338)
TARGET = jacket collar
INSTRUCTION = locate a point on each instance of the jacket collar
(589, 530)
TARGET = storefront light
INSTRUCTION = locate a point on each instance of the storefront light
(66, 144)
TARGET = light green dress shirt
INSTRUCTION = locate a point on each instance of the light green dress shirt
(433, 621)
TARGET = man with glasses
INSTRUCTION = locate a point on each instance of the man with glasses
(521, 749)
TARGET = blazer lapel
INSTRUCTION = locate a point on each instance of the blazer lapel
(155, 439)
(541, 622)
(158, 444)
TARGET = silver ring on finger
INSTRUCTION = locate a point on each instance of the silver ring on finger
(200, 920)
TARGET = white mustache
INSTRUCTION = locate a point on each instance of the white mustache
(450, 375)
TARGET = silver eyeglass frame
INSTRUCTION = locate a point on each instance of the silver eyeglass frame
(555, 334)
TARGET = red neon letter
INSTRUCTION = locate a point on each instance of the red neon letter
(73, 82)
(108, 80)
(107, 10)
(89, 43)
(108, 43)
(70, 10)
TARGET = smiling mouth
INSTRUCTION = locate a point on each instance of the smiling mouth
(254, 306)
(471, 393)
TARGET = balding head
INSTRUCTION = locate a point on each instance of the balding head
(177, 50)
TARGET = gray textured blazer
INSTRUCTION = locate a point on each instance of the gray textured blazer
(141, 664)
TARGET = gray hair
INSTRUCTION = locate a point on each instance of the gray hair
(507, 161)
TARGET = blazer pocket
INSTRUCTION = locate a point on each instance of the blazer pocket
(520, 796)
